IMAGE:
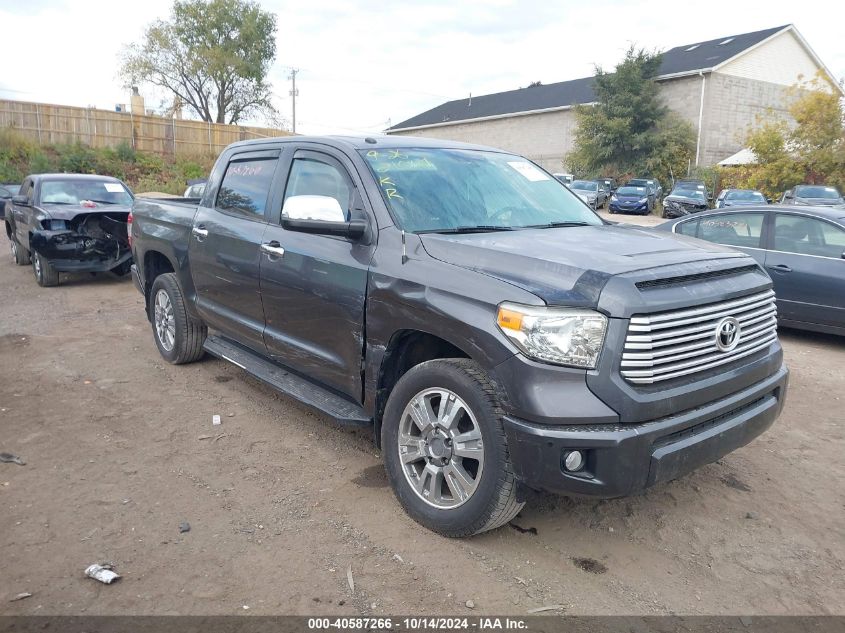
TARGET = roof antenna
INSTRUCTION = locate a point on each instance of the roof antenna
(469, 105)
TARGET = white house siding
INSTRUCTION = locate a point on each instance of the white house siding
(733, 105)
(781, 60)
(544, 138)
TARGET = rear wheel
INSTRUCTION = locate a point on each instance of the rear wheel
(445, 449)
(179, 338)
(19, 254)
(45, 274)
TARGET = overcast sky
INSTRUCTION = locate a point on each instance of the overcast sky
(364, 62)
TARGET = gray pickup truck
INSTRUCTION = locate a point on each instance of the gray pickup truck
(494, 332)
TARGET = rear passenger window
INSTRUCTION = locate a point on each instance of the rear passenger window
(687, 228)
(808, 236)
(311, 177)
(246, 187)
(733, 229)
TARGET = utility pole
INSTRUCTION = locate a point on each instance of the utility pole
(294, 93)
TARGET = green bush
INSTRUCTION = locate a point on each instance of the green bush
(142, 171)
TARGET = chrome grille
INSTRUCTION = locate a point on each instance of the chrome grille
(667, 345)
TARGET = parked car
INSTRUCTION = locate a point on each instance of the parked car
(70, 223)
(610, 184)
(815, 195)
(630, 199)
(740, 198)
(802, 248)
(7, 191)
(566, 179)
(590, 192)
(492, 342)
(686, 197)
(196, 187)
(652, 183)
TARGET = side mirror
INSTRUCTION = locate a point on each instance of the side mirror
(21, 201)
(321, 215)
(768, 201)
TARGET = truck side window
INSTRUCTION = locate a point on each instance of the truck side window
(246, 187)
(310, 177)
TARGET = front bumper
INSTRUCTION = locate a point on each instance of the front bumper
(619, 207)
(68, 251)
(678, 211)
(622, 459)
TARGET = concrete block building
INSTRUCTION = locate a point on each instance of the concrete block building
(720, 86)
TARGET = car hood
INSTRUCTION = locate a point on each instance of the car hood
(679, 198)
(70, 211)
(568, 265)
(625, 198)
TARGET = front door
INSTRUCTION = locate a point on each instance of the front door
(314, 291)
(808, 270)
(224, 248)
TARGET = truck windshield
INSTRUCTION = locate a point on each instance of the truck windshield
(75, 191)
(450, 189)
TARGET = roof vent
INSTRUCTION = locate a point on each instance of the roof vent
(691, 48)
(727, 41)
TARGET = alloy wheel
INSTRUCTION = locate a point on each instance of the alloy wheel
(165, 321)
(441, 448)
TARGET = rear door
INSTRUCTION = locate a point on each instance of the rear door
(807, 266)
(224, 247)
(314, 292)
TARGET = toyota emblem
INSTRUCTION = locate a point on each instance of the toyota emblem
(727, 334)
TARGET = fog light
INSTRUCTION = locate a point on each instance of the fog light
(573, 461)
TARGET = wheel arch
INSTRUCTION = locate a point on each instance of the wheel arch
(406, 349)
(155, 264)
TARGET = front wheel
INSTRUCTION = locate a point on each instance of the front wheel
(445, 449)
(45, 274)
(179, 338)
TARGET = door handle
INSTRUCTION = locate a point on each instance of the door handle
(199, 232)
(273, 249)
(781, 268)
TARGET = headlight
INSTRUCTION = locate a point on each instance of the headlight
(614, 198)
(643, 200)
(562, 336)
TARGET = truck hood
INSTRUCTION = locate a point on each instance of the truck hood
(569, 265)
(70, 211)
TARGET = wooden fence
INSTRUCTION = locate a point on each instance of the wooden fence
(56, 124)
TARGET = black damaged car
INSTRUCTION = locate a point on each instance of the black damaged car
(687, 197)
(70, 223)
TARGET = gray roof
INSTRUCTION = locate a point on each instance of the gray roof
(684, 59)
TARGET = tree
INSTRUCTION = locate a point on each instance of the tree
(628, 130)
(213, 56)
(809, 149)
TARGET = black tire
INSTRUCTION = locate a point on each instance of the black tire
(19, 254)
(494, 501)
(45, 274)
(189, 334)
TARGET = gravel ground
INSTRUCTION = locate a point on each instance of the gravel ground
(284, 506)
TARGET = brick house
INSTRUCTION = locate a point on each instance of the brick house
(719, 86)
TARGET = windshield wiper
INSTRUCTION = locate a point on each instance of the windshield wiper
(103, 201)
(480, 228)
(555, 225)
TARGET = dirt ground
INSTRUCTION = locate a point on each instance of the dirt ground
(282, 504)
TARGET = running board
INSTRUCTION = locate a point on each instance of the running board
(298, 388)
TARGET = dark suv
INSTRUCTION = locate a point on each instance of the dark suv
(489, 327)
